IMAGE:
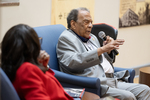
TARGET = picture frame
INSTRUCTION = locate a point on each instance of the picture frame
(9, 2)
(134, 13)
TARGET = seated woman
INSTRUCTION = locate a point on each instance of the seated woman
(26, 66)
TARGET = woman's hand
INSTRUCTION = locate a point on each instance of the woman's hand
(43, 58)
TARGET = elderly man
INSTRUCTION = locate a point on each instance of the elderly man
(79, 53)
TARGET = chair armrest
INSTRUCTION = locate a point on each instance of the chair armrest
(131, 71)
(77, 80)
(67, 80)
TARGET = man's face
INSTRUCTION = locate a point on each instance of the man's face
(83, 25)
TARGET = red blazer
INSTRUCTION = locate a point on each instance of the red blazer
(32, 84)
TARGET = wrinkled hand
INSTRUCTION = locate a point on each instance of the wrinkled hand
(43, 58)
(111, 44)
(108, 40)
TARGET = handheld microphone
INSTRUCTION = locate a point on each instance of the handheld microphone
(102, 35)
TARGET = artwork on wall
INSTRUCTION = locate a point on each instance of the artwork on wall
(134, 13)
(61, 8)
(9, 2)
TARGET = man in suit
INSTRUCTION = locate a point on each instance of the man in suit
(79, 53)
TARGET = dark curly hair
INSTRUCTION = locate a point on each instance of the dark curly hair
(20, 44)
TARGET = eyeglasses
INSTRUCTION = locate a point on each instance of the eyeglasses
(40, 39)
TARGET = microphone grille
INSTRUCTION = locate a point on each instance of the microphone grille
(101, 34)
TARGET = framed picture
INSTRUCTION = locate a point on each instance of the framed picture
(9, 2)
(134, 13)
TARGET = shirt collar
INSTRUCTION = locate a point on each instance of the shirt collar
(82, 38)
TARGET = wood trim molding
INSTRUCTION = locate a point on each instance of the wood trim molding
(9, 3)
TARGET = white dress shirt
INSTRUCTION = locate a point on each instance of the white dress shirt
(105, 64)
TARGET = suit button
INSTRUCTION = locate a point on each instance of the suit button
(93, 67)
(103, 75)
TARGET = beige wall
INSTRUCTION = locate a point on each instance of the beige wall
(136, 49)
(107, 11)
(134, 52)
(31, 12)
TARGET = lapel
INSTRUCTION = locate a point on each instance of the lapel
(80, 45)
(93, 41)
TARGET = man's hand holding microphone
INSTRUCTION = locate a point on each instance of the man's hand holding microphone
(109, 44)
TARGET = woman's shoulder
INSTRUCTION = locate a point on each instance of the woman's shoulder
(27, 72)
(28, 67)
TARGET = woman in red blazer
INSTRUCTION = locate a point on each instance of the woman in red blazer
(26, 66)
